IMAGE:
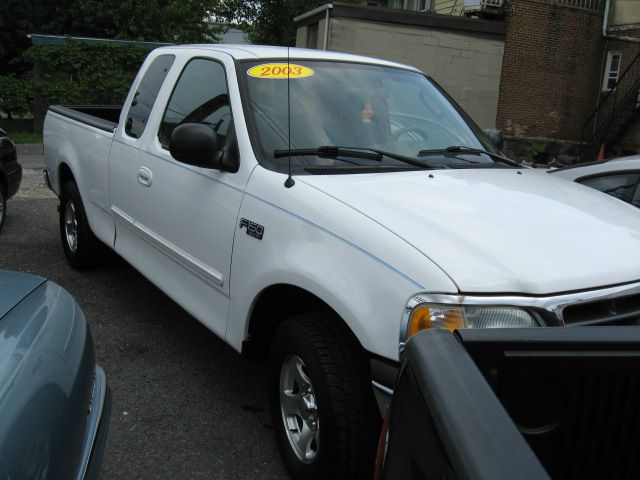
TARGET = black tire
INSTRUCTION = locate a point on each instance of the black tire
(87, 251)
(3, 205)
(348, 419)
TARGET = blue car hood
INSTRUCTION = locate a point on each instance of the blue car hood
(14, 286)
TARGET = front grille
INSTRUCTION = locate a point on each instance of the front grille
(617, 310)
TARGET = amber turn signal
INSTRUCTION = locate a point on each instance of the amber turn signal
(434, 316)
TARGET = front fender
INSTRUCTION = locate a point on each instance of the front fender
(361, 270)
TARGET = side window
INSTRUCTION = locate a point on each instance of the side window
(146, 94)
(200, 96)
(621, 186)
(635, 201)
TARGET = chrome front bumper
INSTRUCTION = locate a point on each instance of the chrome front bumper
(383, 379)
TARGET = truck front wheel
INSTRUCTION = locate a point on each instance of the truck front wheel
(81, 247)
(321, 401)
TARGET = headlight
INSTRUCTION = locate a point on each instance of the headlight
(420, 315)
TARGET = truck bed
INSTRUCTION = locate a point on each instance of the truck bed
(104, 117)
(77, 141)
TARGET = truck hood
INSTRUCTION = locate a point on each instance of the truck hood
(501, 230)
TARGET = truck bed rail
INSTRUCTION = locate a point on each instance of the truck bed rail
(104, 117)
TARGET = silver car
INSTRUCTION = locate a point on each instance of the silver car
(619, 177)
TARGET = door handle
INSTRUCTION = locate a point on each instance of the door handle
(145, 176)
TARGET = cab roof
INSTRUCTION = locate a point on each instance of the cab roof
(257, 52)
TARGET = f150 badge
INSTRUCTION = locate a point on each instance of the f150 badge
(253, 229)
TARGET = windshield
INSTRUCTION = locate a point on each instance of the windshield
(353, 106)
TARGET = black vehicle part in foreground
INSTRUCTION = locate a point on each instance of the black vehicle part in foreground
(10, 173)
(516, 403)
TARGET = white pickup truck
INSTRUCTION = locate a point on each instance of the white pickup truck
(318, 209)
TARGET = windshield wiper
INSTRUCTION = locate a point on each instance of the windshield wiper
(469, 150)
(402, 158)
(329, 152)
(355, 152)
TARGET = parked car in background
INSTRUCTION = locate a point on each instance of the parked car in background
(500, 404)
(619, 177)
(10, 173)
(54, 400)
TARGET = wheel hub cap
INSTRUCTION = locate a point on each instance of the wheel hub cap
(299, 409)
(71, 226)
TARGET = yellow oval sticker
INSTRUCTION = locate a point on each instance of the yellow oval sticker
(279, 70)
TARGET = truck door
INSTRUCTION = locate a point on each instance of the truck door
(178, 222)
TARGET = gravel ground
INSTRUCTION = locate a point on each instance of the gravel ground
(185, 405)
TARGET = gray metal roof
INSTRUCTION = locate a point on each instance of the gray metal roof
(39, 39)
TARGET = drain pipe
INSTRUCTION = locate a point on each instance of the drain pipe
(323, 8)
(605, 24)
(605, 20)
(326, 27)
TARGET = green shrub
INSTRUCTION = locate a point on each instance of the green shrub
(83, 73)
(14, 94)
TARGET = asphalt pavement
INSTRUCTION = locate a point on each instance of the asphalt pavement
(185, 404)
(30, 155)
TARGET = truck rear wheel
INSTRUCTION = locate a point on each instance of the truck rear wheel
(321, 401)
(81, 247)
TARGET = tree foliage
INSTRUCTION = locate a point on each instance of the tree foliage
(83, 73)
(268, 22)
(14, 96)
(176, 21)
(18, 19)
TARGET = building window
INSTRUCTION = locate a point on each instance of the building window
(612, 71)
(312, 36)
(423, 5)
(400, 4)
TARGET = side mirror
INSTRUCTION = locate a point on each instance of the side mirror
(495, 137)
(195, 144)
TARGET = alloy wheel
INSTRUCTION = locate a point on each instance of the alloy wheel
(299, 409)
(71, 226)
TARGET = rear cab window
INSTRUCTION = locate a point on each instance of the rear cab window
(146, 94)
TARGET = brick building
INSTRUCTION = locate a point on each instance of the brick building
(562, 73)
(550, 72)
(554, 72)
